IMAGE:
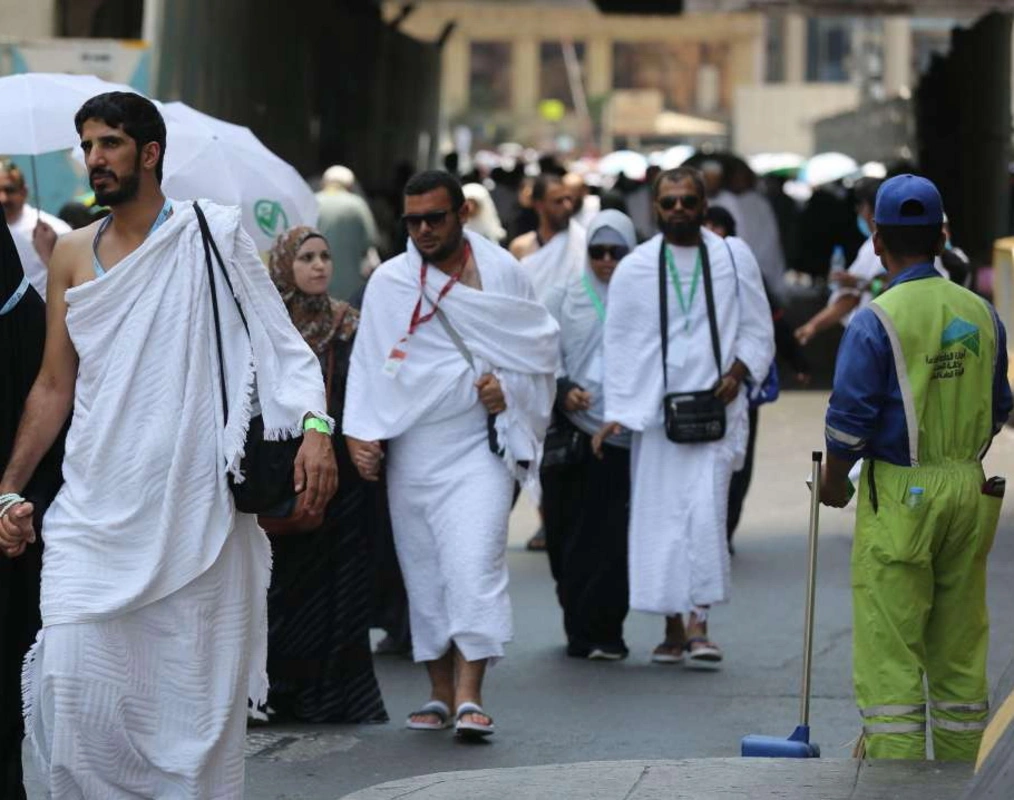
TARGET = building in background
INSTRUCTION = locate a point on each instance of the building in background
(550, 72)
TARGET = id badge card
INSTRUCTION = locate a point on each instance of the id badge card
(677, 356)
(395, 359)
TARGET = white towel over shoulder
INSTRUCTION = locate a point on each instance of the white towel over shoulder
(507, 331)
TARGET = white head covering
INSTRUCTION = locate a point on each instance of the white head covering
(338, 177)
(581, 330)
(486, 222)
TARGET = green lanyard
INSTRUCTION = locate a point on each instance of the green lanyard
(600, 309)
(685, 306)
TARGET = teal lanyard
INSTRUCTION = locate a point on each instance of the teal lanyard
(14, 299)
(163, 215)
(685, 305)
(600, 308)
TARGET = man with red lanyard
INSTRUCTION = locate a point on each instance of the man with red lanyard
(450, 388)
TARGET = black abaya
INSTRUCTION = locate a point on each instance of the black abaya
(22, 337)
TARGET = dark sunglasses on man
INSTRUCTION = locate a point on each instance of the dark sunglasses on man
(431, 218)
(688, 201)
(598, 252)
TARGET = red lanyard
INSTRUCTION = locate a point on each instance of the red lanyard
(418, 318)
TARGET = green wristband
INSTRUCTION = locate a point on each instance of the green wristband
(315, 424)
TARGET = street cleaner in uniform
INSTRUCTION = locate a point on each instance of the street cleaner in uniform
(920, 389)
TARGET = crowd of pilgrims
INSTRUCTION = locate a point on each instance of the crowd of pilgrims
(335, 580)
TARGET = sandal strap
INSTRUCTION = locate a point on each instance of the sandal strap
(435, 707)
(471, 708)
(700, 640)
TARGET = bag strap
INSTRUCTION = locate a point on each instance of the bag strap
(709, 293)
(663, 304)
(208, 242)
(663, 316)
(329, 380)
(456, 338)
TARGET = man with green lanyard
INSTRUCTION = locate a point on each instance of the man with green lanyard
(920, 390)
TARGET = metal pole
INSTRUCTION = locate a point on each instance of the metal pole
(811, 588)
(35, 192)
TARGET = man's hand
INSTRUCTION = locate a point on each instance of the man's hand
(16, 529)
(44, 240)
(607, 431)
(804, 333)
(834, 488)
(316, 471)
(366, 456)
(577, 399)
(728, 387)
(491, 394)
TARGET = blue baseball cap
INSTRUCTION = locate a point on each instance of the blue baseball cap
(908, 200)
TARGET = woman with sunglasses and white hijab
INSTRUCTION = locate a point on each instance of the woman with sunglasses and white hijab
(585, 499)
(688, 322)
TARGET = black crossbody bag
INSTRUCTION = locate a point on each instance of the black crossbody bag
(268, 467)
(690, 417)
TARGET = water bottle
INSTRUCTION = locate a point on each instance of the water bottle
(837, 265)
(915, 497)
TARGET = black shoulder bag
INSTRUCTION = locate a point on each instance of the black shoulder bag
(268, 467)
(690, 417)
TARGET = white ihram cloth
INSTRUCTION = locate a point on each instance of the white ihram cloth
(449, 495)
(553, 264)
(153, 587)
(678, 555)
(23, 229)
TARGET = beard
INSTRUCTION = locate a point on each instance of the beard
(445, 250)
(684, 230)
(127, 189)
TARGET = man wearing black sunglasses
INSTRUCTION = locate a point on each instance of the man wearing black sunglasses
(453, 370)
(688, 321)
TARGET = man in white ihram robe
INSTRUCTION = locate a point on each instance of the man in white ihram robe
(679, 562)
(450, 496)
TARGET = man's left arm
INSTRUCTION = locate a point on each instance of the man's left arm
(860, 390)
(754, 347)
(298, 385)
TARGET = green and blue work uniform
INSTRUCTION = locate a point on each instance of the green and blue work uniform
(920, 389)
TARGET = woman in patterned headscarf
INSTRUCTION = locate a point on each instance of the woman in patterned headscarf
(318, 605)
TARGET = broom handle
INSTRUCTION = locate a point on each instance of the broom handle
(811, 588)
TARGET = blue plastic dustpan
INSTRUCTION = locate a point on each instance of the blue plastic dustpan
(796, 746)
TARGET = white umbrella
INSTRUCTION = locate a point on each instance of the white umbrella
(624, 162)
(37, 110)
(827, 168)
(776, 163)
(676, 156)
(227, 163)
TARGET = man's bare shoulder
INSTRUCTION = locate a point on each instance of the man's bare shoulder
(71, 263)
(524, 245)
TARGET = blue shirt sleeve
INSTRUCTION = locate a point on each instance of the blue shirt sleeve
(1002, 401)
(861, 386)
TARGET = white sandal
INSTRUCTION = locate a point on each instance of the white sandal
(434, 708)
(472, 730)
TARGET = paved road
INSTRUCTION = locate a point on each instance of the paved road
(551, 709)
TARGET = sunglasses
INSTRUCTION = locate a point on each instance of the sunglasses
(688, 201)
(616, 252)
(431, 218)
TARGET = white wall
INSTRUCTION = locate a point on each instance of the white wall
(779, 117)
